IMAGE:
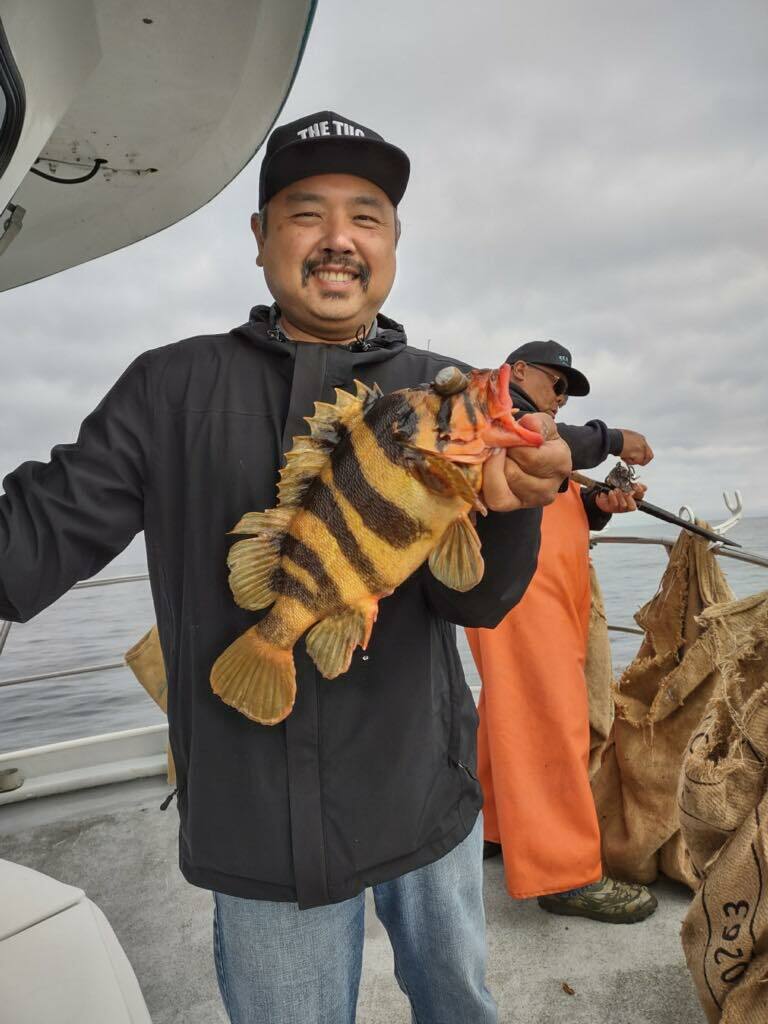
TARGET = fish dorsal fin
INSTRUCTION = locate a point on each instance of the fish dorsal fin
(273, 521)
(310, 453)
(303, 464)
(253, 562)
(325, 424)
(367, 395)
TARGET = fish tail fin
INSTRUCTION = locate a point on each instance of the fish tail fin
(256, 677)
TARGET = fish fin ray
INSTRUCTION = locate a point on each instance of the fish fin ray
(367, 395)
(332, 641)
(256, 678)
(327, 419)
(457, 561)
(252, 564)
(303, 464)
(311, 453)
(273, 521)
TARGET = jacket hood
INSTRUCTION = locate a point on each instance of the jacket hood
(263, 331)
(521, 400)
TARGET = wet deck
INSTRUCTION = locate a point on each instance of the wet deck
(122, 851)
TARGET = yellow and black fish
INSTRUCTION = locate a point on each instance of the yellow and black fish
(380, 484)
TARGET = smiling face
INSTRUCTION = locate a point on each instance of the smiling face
(538, 382)
(328, 254)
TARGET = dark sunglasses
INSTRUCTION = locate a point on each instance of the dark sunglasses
(559, 384)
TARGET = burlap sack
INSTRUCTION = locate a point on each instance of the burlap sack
(599, 672)
(659, 699)
(145, 659)
(724, 822)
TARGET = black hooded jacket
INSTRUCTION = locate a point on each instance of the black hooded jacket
(372, 774)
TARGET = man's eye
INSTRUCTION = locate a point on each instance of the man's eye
(368, 217)
(307, 213)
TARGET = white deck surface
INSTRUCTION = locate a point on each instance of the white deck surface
(117, 845)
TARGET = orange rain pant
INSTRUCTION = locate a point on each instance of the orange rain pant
(533, 739)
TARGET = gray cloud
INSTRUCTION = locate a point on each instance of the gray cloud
(591, 172)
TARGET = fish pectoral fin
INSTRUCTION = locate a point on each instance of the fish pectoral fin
(439, 475)
(457, 561)
(256, 678)
(332, 641)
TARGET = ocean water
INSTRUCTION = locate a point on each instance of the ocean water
(96, 626)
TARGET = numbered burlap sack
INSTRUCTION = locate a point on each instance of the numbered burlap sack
(659, 700)
(145, 659)
(724, 822)
(599, 673)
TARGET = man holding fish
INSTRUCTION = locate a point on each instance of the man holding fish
(308, 771)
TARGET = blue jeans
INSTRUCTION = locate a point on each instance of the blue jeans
(280, 965)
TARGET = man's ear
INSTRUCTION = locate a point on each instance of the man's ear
(518, 369)
(257, 234)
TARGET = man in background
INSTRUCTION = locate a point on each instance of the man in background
(533, 739)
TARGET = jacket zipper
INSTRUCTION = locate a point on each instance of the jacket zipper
(166, 803)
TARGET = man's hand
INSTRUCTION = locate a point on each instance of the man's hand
(515, 478)
(636, 450)
(619, 501)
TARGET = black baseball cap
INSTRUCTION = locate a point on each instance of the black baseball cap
(551, 353)
(328, 143)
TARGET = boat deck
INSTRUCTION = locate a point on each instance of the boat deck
(115, 844)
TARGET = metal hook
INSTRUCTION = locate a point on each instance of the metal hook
(686, 512)
(735, 507)
(733, 504)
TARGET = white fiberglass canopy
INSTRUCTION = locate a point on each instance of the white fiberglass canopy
(152, 108)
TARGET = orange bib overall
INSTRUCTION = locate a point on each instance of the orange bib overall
(533, 739)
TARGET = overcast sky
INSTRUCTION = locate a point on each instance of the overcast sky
(593, 172)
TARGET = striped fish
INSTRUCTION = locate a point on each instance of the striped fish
(380, 484)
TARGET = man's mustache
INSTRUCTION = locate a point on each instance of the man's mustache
(340, 262)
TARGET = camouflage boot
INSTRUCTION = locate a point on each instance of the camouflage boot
(607, 900)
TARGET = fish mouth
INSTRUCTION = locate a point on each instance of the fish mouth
(500, 430)
(504, 431)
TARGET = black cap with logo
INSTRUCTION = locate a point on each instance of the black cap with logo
(327, 143)
(550, 353)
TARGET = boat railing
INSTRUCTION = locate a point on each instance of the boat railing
(5, 628)
(665, 542)
(140, 753)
